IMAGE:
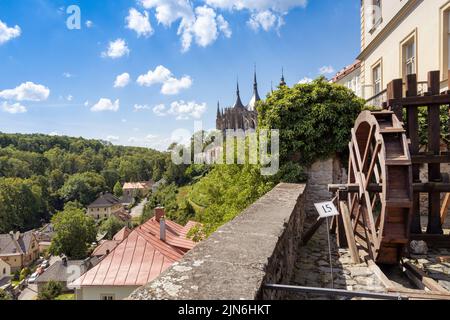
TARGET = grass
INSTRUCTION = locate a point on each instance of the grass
(184, 193)
(66, 296)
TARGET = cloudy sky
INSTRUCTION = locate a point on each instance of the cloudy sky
(135, 71)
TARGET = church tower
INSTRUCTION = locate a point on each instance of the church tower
(252, 105)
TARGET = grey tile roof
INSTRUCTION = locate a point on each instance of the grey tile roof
(105, 200)
(8, 245)
(61, 273)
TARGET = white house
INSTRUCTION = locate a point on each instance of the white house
(401, 37)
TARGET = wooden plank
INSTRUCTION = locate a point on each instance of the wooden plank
(351, 242)
(395, 92)
(380, 275)
(428, 282)
(434, 146)
(421, 101)
(445, 207)
(419, 294)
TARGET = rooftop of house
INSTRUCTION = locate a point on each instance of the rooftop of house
(15, 243)
(141, 257)
(61, 271)
(106, 246)
(346, 71)
(104, 201)
(138, 185)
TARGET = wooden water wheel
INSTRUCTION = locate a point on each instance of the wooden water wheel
(380, 171)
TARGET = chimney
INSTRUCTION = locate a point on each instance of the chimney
(64, 261)
(159, 213)
(162, 229)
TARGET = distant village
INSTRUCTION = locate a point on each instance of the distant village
(115, 268)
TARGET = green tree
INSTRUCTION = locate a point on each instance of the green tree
(83, 187)
(118, 190)
(314, 120)
(50, 291)
(5, 295)
(74, 232)
(111, 226)
(24, 273)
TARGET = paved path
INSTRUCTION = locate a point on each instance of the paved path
(139, 209)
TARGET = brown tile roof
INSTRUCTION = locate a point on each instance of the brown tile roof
(106, 246)
(347, 70)
(140, 258)
(138, 185)
(122, 234)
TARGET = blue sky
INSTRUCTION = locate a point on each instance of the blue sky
(176, 59)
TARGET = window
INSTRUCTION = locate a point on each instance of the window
(4, 270)
(409, 55)
(107, 297)
(376, 15)
(376, 79)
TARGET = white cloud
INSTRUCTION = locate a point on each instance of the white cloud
(54, 134)
(265, 14)
(86, 103)
(122, 80)
(112, 138)
(139, 22)
(116, 49)
(186, 110)
(173, 86)
(305, 80)
(265, 20)
(124, 120)
(7, 33)
(139, 107)
(162, 75)
(13, 108)
(258, 5)
(67, 75)
(27, 91)
(160, 110)
(89, 24)
(69, 97)
(200, 24)
(326, 70)
(106, 105)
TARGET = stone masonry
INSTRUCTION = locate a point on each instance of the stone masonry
(259, 246)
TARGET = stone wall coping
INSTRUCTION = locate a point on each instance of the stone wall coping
(231, 264)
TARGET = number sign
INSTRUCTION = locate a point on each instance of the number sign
(326, 209)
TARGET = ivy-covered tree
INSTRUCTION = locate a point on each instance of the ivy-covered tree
(314, 120)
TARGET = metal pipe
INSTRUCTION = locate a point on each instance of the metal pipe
(335, 292)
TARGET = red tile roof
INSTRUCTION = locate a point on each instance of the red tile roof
(141, 257)
(347, 70)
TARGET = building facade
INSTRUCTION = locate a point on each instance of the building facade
(19, 250)
(105, 206)
(398, 38)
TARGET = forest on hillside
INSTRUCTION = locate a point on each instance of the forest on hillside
(39, 174)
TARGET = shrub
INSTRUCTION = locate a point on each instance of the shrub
(50, 291)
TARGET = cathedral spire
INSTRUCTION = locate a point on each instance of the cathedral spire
(218, 109)
(283, 82)
(252, 104)
(238, 103)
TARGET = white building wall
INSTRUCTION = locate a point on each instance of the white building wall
(426, 22)
(95, 293)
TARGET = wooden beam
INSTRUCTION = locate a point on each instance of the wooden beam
(351, 242)
(428, 282)
(421, 101)
(445, 207)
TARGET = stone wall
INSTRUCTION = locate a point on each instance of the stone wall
(259, 246)
(320, 175)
